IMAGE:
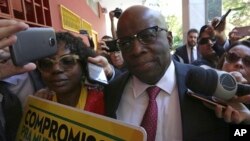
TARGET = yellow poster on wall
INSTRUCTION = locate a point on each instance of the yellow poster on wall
(45, 120)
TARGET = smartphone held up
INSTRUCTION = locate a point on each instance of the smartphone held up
(242, 31)
(96, 74)
(33, 44)
(212, 101)
(112, 45)
(222, 19)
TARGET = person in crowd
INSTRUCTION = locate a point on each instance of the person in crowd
(117, 60)
(65, 75)
(217, 34)
(209, 58)
(15, 82)
(188, 52)
(237, 59)
(171, 115)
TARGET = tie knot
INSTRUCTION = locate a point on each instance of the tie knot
(153, 92)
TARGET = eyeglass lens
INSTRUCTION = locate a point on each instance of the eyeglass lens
(65, 62)
(233, 58)
(145, 36)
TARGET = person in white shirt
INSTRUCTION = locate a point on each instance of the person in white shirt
(188, 52)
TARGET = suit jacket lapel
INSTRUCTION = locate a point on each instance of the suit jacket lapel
(181, 72)
(113, 93)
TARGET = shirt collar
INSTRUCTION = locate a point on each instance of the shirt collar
(166, 83)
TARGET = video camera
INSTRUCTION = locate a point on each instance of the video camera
(112, 45)
(117, 12)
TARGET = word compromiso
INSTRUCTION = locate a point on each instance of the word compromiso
(55, 130)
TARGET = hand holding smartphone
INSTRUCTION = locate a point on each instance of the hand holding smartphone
(222, 19)
(33, 44)
(213, 101)
(96, 74)
(112, 46)
(242, 31)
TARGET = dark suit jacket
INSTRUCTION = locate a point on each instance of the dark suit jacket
(198, 122)
(182, 52)
(12, 108)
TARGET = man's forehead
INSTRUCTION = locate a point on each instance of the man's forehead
(130, 28)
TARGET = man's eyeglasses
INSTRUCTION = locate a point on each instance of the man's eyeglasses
(66, 62)
(233, 58)
(146, 36)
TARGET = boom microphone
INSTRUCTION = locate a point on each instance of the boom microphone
(215, 83)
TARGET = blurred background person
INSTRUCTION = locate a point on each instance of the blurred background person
(189, 52)
(117, 60)
(216, 34)
(237, 59)
(209, 58)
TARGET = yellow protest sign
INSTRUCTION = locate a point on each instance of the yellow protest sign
(44, 120)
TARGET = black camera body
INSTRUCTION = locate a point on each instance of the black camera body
(112, 46)
(117, 12)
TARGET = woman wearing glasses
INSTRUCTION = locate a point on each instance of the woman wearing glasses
(65, 73)
(236, 60)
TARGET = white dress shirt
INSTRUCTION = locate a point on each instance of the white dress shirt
(134, 102)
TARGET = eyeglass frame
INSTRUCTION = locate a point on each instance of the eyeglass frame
(57, 61)
(243, 59)
(137, 36)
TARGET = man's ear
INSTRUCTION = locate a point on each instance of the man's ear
(170, 38)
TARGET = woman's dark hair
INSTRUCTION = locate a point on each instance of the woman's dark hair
(203, 28)
(222, 58)
(76, 46)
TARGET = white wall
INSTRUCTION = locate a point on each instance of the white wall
(193, 15)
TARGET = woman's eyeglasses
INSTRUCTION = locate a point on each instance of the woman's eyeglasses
(146, 36)
(233, 58)
(66, 62)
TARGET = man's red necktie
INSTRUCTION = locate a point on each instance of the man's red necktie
(149, 122)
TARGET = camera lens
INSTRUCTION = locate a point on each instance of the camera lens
(52, 41)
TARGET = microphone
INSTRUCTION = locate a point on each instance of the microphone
(214, 83)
